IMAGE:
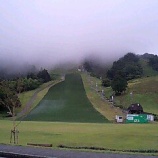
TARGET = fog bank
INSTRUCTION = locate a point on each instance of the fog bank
(49, 32)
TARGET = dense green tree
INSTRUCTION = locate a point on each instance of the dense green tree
(88, 66)
(129, 66)
(20, 85)
(44, 75)
(153, 62)
(106, 82)
(119, 84)
(8, 98)
(32, 75)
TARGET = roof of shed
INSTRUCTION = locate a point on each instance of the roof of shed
(136, 107)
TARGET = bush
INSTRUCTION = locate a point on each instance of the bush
(106, 82)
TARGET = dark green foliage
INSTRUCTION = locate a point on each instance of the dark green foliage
(66, 102)
(106, 82)
(128, 66)
(44, 75)
(119, 84)
(10, 88)
(24, 84)
(147, 56)
(95, 68)
(107, 149)
(55, 76)
(88, 66)
(31, 75)
(153, 62)
(8, 98)
(30, 84)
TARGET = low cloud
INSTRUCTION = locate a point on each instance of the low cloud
(49, 32)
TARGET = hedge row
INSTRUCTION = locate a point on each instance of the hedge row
(106, 149)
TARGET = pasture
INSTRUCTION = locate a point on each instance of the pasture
(66, 102)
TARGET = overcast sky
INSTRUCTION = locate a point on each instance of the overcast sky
(51, 31)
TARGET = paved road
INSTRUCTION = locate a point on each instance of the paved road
(34, 152)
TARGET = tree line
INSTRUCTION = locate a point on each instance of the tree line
(126, 68)
(9, 89)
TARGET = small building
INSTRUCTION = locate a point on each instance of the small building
(137, 115)
(81, 68)
(119, 119)
(135, 108)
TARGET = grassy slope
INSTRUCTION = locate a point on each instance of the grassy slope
(26, 96)
(145, 92)
(111, 136)
(104, 107)
(66, 102)
(147, 70)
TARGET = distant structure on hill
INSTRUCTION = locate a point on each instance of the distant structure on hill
(81, 68)
(135, 108)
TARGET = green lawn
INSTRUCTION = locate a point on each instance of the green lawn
(110, 136)
(66, 102)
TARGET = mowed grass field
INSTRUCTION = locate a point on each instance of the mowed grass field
(66, 102)
(110, 136)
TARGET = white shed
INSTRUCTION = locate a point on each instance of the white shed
(119, 119)
(150, 118)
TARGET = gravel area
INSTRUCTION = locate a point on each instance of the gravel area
(10, 151)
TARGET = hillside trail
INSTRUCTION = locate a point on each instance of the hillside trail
(29, 104)
(109, 102)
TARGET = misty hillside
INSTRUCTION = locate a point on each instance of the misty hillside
(130, 66)
(14, 70)
(133, 66)
(96, 67)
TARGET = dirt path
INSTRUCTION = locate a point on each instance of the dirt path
(29, 104)
(34, 152)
